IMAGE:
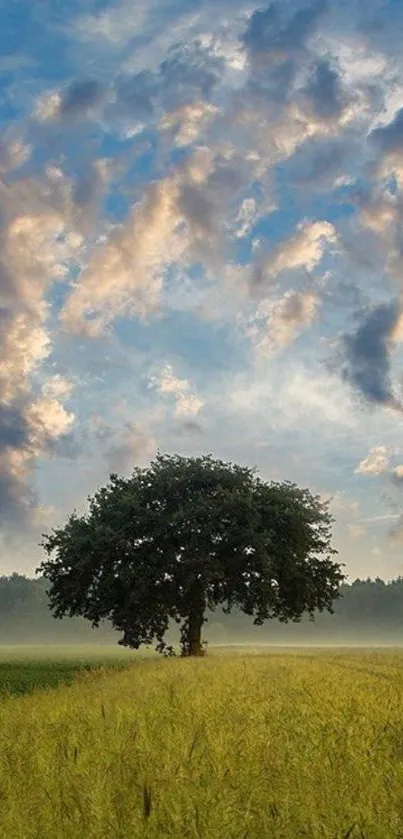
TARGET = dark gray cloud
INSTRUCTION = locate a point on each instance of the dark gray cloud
(268, 32)
(198, 208)
(190, 71)
(15, 497)
(79, 97)
(274, 44)
(396, 479)
(86, 197)
(389, 138)
(136, 94)
(324, 90)
(320, 161)
(205, 206)
(13, 428)
(193, 427)
(367, 363)
(274, 84)
(86, 188)
(17, 503)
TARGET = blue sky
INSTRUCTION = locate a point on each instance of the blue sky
(201, 251)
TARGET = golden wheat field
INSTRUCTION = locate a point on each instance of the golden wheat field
(232, 746)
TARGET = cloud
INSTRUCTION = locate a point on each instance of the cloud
(270, 36)
(48, 106)
(34, 251)
(13, 154)
(322, 162)
(288, 395)
(246, 217)
(135, 95)
(180, 88)
(376, 462)
(189, 121)
(192, 426)
(380, 212)
(47, 420)
(389, 138)
(75, 100)
(380, 215)
(191, 71)
(143, 184)
(387, 143)
(279, 322)
(367, 354)
(179, 221)
(303, 250)
(37, 424)
(324, 92)
(79, 97)
(185, 403)
(386, 517)
(57, 386)
(124, 276)
(135, 447)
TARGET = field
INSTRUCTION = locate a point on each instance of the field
(239, 745)
(27, 669)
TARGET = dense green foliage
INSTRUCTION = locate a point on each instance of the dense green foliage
(278, 746)
(185, 535)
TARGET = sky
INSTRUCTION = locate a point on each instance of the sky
(201, 210)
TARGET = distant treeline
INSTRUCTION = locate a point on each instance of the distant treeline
(369, 611)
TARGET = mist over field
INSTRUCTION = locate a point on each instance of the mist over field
(369, 613)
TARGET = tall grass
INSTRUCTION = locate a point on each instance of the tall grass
(226, 747)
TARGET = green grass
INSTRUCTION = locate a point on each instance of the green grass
(25, 669)
(226, 747)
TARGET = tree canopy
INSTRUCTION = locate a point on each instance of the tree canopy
(184, 536)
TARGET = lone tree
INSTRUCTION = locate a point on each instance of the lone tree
(186, 535)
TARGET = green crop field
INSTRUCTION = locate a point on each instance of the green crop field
(28, 669)
(233, 746)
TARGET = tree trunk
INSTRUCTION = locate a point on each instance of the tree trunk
(192, 642)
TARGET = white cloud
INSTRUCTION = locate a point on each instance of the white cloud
(48, 106)
(186, 404)
(246, 217)
(304, 250)
(47, 418)
(13, 154)
(376, 462)
(289, 395)
(278, 322)
(35, 252)
(124, 276)
(189, 122)
(57, 386)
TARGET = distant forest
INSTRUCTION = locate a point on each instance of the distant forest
(369, 611)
